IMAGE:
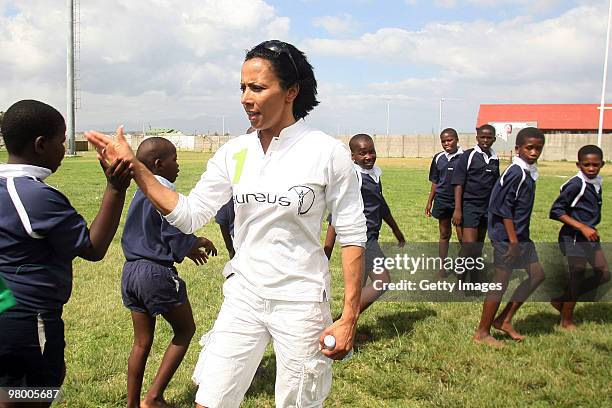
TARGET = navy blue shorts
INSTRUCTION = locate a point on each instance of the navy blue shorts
(443, 208)
(151, 288)
(31, 348)
(577, 245)
(474, 214)
(529, 255)
(372, 251)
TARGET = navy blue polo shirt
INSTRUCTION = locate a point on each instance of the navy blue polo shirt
(476, 174)
(40, 234)
(512, 197)
(375, 206)
(147, 235)
(226, 215)
(581, 201)
(441, 172)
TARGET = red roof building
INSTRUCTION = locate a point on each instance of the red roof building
(550, 118)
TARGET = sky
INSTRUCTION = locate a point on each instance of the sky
(176, 64)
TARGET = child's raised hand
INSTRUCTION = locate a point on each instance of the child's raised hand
(117, 173)
(109, 149)
(208, 246)
(589, 233)
(197, 255)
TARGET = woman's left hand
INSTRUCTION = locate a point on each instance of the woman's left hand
(343, 331)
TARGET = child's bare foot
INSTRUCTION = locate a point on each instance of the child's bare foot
(155, 403)
(507, 328)
(569, 326)
(487, 340)
(557, 305)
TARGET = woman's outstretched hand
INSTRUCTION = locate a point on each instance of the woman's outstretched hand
(111, 149)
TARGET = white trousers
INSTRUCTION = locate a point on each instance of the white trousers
(233, 349)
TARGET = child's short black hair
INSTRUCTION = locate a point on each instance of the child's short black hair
(529, 132)
(451, 131)
(358, 138)
(152, 149)
(590, 149)
(25, 120)
(486, 127)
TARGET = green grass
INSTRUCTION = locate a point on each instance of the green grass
(421, 354)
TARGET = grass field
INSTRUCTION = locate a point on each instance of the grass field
(420, 355)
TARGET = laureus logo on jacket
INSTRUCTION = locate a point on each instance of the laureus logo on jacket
(305, 196)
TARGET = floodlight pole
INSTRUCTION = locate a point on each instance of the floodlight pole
(70, 80)
(388, 110)
(440, 118)
(605, 77)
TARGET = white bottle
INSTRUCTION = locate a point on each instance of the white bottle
(330, 343)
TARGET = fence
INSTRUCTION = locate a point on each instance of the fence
(559, 146)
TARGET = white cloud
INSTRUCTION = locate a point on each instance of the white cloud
(177, 64)
(336, 25)
(521, 60)
(135, 54)
(518, 49)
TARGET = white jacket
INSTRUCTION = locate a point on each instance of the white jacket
(280, 200)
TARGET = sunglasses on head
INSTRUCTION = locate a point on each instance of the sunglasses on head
(279, 47)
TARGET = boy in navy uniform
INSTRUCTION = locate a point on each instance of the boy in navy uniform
(40, 234)
(150, 284)
(441, 194)
(225, 218)
(473, 179)
(578, 207)
(509, 216)
(376, 210)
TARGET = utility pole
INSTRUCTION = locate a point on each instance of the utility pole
(388, 110)
(440, 118)
(605, 77)
(70, 80)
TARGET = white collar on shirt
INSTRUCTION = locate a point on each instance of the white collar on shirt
(596, 182)
(375, 172)
(532, 169)
(449, 156)
(165, 182)
(484, 155)
(24, 170)
(289, 135)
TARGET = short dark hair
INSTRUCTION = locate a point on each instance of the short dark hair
(450, 130)
(358, 138)
(283, 67)
(590, 149)
(485, 127)
(152, 149)
(28, 119)
(527, 133)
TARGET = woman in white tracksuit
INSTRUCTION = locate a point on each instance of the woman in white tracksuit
(282, 179)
